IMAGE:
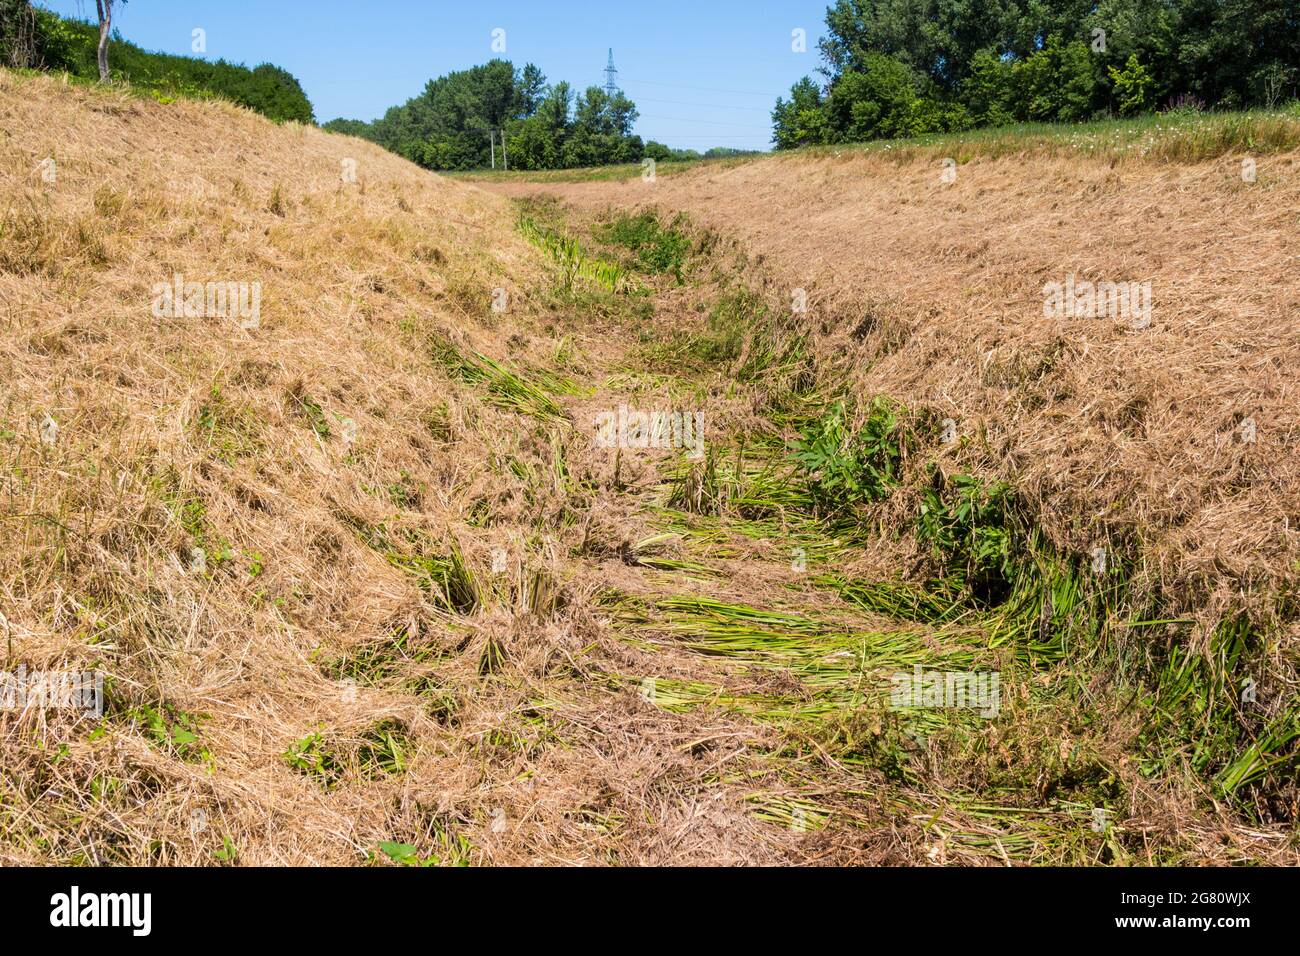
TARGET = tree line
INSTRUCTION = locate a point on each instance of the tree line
(32, 37)
(908, 67)
(460, 121)
(468, 119)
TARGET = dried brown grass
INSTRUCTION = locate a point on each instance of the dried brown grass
(1114, 436)
(932, 294)
(521, 744)
(175, 433)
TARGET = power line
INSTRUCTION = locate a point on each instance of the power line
(717, 106)
(745, 55)
(754, 142)
(710, 89)
(683, 119)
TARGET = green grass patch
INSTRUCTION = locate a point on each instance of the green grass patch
(375, 663)
(228, 430)
(378, 751)
(311, 757)
(659, 248)
(966, 523)
(573, 260)
(505, 387)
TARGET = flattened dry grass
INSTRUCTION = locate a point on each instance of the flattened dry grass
(364, 596)
(932, 294)
(202, 521)
(1088, 629)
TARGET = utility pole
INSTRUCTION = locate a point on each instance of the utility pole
(505, 157)
(492, 138)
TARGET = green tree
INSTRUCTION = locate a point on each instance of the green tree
(1239, 53)
(456, 119)
(537, 142)
(989, 91)
(556, 108)
(1056, 84)
(600, 114)
(349, 127)
(530, 90)
(73, 46)
(937, 39)
(658, 152)
(535, 145)
(882, 100)
(801, 120)
(991, 62)
(1132, 87)
(1147, 28)
(600, 131)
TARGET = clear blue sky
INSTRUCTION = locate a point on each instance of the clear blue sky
(702, 72)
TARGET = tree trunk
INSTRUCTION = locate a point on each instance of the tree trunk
(17, 34)
(105, 9)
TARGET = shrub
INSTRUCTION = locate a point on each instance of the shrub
(1132, 86)
(883, 100)
(1055, 84)
(845, 468)
(966, 522)
(658, 248)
